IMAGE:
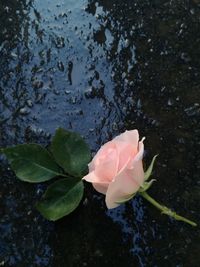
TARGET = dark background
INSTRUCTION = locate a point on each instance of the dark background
(98, 68)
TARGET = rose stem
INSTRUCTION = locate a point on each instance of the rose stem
(165, 210)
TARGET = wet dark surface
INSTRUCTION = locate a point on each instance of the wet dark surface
(98, 68)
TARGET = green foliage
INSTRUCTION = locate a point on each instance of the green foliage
(61, 198)
(32, 163)
(70, 152)
(35, 164)
(150, 169)
(146, 185)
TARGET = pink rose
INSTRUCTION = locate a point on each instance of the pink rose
(117, 169)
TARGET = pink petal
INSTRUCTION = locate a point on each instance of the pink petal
(137, 165)
(138, 173)
(101, 188)
(126, 182)
(130, 137)
(98, 185)
(140, 153)
(106, 169)
(102, 153)
(125, 152)
(104, 165)
(91, 178)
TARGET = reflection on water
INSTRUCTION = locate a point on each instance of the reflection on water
(100, 67)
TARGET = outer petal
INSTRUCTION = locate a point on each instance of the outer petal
(107, 169)
(101, 188)
(103, 167)
(125, 152)
(138, 173)
(140, 153)
(137, 165)
(125, 184)
(130, 137)
(98, 185)
(102, 153)
(92, 178)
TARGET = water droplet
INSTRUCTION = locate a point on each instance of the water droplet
(24, 111)
(29, 103)
(60, 66)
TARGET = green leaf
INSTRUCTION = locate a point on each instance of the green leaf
(32, 163)
(150, 169)
(60, 199)
(71, 152)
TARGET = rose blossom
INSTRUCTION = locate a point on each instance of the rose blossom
(117, 169)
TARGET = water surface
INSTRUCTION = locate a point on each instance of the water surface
(98, 68)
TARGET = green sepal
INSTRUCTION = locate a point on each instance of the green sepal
(148, 172)
(146, 185)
